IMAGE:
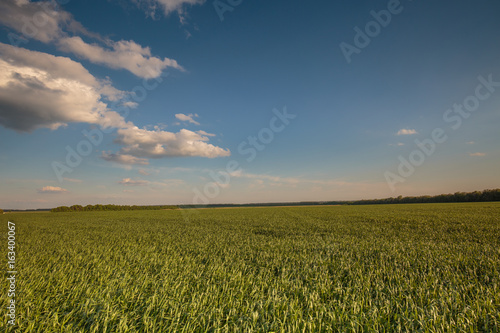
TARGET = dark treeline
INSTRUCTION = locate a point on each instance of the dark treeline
(477, 196)
(88, 208)
(24, 210)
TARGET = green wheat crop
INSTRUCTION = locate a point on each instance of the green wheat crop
(385, 268)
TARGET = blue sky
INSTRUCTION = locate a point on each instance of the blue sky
(177, 94)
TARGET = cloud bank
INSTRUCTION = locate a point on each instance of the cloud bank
(42, 21)
(39, 90)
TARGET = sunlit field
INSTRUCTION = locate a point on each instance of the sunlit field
(387, 268)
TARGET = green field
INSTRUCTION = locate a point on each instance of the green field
(385, 268)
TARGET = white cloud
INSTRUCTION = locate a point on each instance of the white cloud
(39, 20)
(130, 104)
(189, 118)
(156, 144)
(165, 183)
(124, 159)
(52, 189)
(131, 182)
(41, 90)
(406, 131)
(470, 143)
(123, 54)
(176, 5)
(168, 6)
(477, 154)
(200, 132)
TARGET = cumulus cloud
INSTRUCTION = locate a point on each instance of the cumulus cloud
(52, 189)
(39, 90)
(188, 118)
(39, 20)
(477, 154)
(156, 144)
(42, 90)
(131, 182)
(406, 131)
(123, 54)
(123, 159)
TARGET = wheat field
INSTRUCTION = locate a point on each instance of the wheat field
(381, 268)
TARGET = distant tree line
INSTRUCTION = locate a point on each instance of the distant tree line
(476, 196)
(1, 211)
(88, 208)
(27, 210)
